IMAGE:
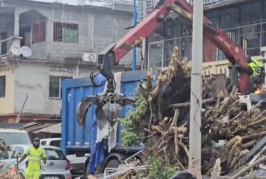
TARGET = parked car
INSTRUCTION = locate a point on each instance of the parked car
(51, 141)
(57, 165)
(77, 163)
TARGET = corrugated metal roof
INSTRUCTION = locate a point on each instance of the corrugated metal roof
(29, 124)
(33, 126)
(55, 129)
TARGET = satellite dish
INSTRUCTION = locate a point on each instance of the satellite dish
(81, 2)
(15, 50)
(25, 51)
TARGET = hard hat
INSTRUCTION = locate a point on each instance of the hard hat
(37, 139)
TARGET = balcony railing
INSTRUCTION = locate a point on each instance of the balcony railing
(12, 39)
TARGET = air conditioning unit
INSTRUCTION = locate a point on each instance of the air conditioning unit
(89, 57)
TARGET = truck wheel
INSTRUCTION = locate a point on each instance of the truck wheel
(86, 172)
(113, 163)
(21, 176)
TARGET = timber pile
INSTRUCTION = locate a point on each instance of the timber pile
(166, 128)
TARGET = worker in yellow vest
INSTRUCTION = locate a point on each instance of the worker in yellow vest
(35, 154)
(256, 67)
(258, 72)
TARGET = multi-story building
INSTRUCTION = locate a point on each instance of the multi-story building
(63, 42)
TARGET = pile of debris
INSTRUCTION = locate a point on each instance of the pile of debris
(228, 132)
(12, 172)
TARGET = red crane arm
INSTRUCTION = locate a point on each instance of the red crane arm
(142, 30)
(115, 52)
(233, 52)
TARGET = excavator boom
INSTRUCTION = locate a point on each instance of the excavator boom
(115, 52)
(107, 102)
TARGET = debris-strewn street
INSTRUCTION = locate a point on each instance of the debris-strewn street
(223, 119)
(132, 89)
(233, 137)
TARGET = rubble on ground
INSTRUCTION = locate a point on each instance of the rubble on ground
(228, 132)
(12, 172)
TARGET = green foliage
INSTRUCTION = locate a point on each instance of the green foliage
(132, 121)
(132, 128)
(157, 170)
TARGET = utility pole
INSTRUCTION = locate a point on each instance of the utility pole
(134, 54)
(196, 87)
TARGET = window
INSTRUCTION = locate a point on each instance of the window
(18, 151)
(15, 138)
(4, 155)
(65, 32)
(55, 87)
(38, 32)
(3, 46)
(2, 86)
(43, 143)
(244, 107)
(54, 154)
(56, 143)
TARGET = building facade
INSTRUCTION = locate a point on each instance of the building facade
(60, 37)
(243, 21)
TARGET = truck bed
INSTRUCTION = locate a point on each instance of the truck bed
(75, 138)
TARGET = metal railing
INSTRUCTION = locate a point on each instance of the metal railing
(1, 42)
(6, 40)
(145, 6)
(250, 37)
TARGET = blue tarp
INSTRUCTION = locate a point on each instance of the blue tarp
(97, 150)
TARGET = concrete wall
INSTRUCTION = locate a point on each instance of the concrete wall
(96, 32)
(7, 103)
(97, 28)
(32, 79)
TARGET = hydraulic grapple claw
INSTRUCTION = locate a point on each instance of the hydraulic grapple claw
(83, 107)
(109, 106)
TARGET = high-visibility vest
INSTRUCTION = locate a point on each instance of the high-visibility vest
(256, 67)
(34, 158)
